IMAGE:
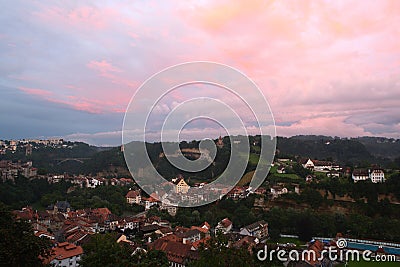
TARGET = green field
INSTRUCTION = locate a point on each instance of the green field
(246, 179)
(284, 240)
(287, 175)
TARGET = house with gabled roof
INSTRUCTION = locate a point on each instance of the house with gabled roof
(178, 254)
(224, 226)
(204, 229)
(180, 186)
(150, 201)
(190, 236)
(133, 197)
(64, 254)
(247, 242)
(319, 165)
(258, 229)
(376, 175)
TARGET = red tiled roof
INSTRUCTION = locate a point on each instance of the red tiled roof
(203, 230)
(206, 224)
(25, 214)
(103, 212)
(181, 229)
(245, 242)
(39, 233)
(63, 251)
(317, 246)
(203, 242)
(133, 194)
(188, 234)
(360, 172)
(226, 223)
(176, 251)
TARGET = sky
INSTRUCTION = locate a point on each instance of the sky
(70, 69)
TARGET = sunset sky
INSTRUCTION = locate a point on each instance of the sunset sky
(326, 67)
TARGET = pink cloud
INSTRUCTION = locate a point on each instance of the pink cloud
(36, 92)
(103, 67)
(323, 126)
(317, 62)
(86, 17)
(82, 104)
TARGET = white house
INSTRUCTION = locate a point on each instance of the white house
(93, 182)
(258, 229)
(190, 236)
(278, 190)
(180, 186)
(131, 223)
(133, 197)
(377, 175)
(309, 164)
(360, 175)
(151, 201)
(320, 165)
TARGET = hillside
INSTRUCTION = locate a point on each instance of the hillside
(81, 158)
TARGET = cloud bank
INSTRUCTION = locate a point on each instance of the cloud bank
(326, 67)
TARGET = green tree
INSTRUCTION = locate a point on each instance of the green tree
(242, 216)
(103, 250)
(18, 244)
(150, 259)
(312, 197)
(306, 225)
(216, 253)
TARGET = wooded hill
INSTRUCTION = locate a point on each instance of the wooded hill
(355, 152)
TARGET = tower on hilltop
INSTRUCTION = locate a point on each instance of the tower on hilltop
(220, 142)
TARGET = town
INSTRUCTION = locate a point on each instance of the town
(144, 223)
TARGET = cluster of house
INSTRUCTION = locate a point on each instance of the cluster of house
(331, 169)
(89, 181)
(10, 170)
(181, 188)
(27, 144)
(282, 188)
(320, 165)
(69, 229)
(241, 192)
(375, 174)
(135, 197)
(181, 192)
(182, 244)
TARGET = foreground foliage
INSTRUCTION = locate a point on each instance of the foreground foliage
(18, 244)
(103, 250)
